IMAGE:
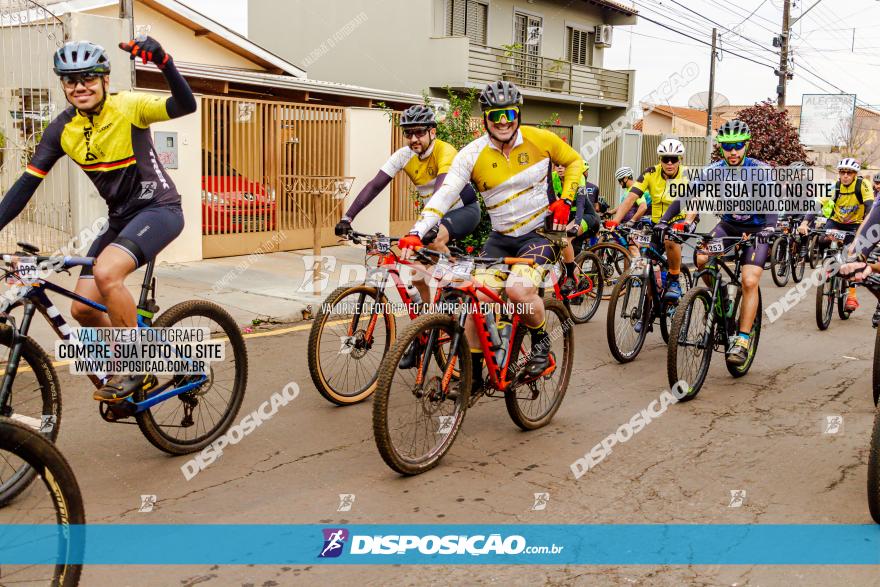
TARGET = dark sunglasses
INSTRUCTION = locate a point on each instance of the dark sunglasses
(509, 114)
(86, 80)
(733, 146)
(669, 159)
(415, 132)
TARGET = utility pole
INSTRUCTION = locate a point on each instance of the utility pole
(711, 109)
(783, 72)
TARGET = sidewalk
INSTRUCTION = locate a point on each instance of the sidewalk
(263, 288)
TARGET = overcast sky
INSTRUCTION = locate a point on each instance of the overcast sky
(824, 42)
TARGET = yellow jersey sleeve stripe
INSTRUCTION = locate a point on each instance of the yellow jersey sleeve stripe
(36, 172)
(433, 211)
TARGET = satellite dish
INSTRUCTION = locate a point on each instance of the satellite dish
(700, 100)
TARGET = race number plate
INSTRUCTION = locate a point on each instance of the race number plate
(26, 267)
(463, 269)
(641, 238)
(715, 246)
(837, 234)
(383, 245)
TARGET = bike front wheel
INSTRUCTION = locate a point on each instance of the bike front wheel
(754, 336)
(825, 303)
(691, 341)
(351, 333)
(418, 412)
(798, 257)
(191, 421)
(667, 313)
(54, 504)
(629, 318)
(34, 401)
(533, 404)
(614, 260)
(874, 469)
(779, 262)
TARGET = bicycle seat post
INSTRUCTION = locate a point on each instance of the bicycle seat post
(145, 302)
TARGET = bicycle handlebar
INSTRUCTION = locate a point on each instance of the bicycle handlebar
(59, 262)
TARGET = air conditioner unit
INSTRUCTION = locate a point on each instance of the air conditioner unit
(603, 35)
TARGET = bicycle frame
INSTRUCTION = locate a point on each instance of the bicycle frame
(36, 299)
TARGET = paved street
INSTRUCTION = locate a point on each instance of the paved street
(762, 434)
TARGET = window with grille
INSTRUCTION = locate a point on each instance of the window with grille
(580, 46)
(467, 18)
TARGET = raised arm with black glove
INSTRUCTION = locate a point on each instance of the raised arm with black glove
(182, 101)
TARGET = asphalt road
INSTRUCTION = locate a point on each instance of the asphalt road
(762, 434)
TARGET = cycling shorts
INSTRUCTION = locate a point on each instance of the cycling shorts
(142, 235)
(530, 245)
(462, 222)
(751, 255)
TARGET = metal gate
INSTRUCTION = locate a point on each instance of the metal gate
(30, 96)
(257, 160)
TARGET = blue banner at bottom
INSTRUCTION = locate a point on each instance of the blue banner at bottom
(655, 544)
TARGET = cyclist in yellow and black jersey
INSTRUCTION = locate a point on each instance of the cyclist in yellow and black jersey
(509, 166)
(108, 136)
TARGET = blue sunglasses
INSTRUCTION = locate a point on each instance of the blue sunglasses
(733, 146)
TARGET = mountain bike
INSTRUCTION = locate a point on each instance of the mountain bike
(181, 415)
(788, 254)
(582, 303)
(707, 318)
(636, 301)
(833, 290)
(356, 325)
(418, 412)
(47, 520)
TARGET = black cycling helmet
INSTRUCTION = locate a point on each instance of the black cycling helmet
(498, 95)
(81, 57)
(733, 131)
(418, 115)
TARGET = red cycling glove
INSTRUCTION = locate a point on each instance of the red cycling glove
(561, 210)
(410, 241)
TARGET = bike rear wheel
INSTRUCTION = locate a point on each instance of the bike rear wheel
(345, 349)
(691, 341)
(813, 251)
(416, 416)
(842, 294)
(194, 419)
(825, 303)
(779, 261)
(34, 401)
(55, 504)
(584, 306)
(630, 316)
(615, 261)
(533, 404)
(875, 376)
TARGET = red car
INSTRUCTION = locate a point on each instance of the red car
(231, 203)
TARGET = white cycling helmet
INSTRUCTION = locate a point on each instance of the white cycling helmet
(670, 147)
(623, 173)
(849, 163)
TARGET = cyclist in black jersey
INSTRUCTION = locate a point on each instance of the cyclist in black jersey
(108, 136)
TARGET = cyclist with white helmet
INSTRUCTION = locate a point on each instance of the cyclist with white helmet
(656, 180)
(876, 184)
(850, 205)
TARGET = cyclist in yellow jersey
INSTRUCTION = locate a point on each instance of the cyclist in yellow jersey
(108, 136)
(852, 202)
(509, 166)
(656, 180)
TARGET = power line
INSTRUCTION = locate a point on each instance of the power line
(716, 23)
(751, 14)
(660, 24)
(740, 14)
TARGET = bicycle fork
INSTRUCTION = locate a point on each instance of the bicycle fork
(12, 364)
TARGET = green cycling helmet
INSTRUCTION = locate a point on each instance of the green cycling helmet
(733, 131)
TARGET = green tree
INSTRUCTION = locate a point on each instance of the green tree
(774, 139)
